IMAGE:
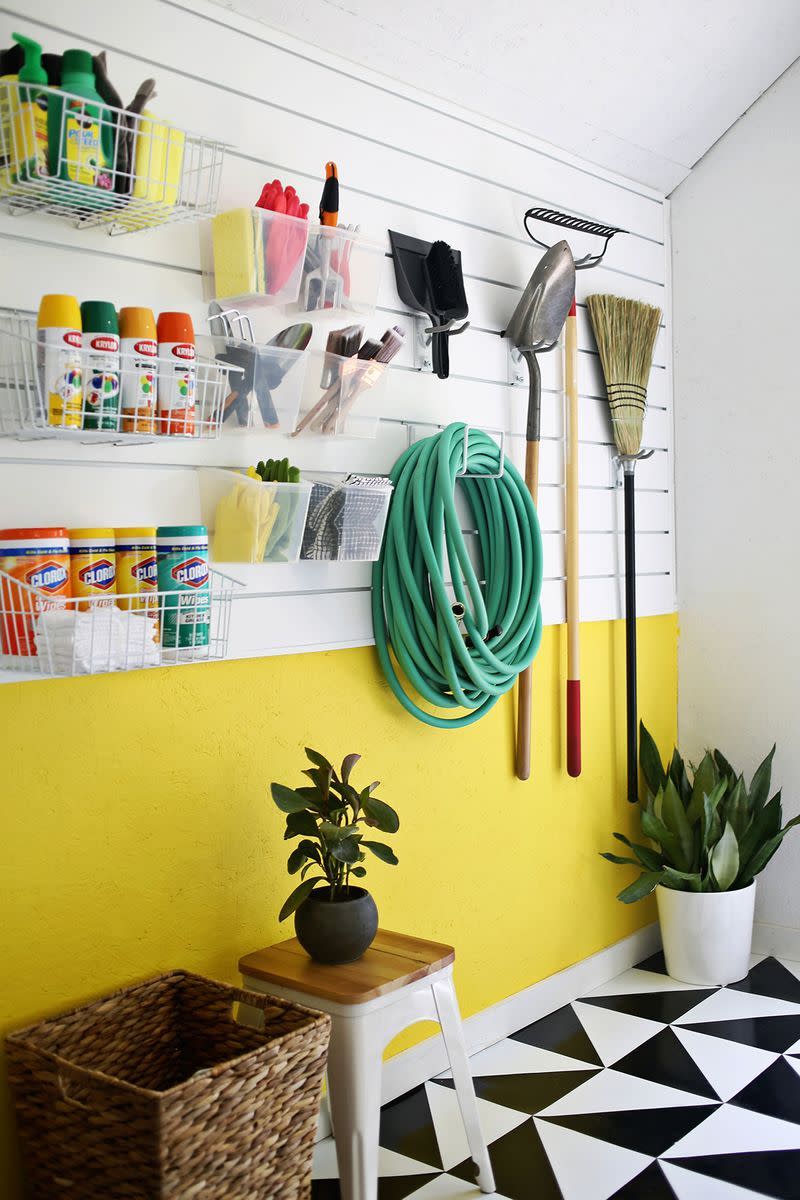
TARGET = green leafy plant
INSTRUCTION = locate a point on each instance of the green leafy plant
(708, 831)
(333, 819)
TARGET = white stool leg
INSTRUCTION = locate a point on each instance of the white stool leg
(354, 1093)
(444, 995)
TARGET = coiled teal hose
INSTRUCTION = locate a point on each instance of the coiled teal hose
(466, 664)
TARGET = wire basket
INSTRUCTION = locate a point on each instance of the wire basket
(100, 165)
(27, 412)
(45, 635)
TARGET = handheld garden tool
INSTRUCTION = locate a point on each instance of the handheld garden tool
(626, 331)
(534, 329)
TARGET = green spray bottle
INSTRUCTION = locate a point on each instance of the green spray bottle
(80, 128)
(30, 119)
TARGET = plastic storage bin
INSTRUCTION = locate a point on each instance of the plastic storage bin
(265, 383)
(156, 1091)
(346, 520)
(250, 521)
(341, 271)
(258, 257)
(342, 396)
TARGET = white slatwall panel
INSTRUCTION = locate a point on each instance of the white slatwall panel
(406, 162)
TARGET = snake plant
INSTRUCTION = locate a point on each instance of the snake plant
(708, 831)
(332, 817)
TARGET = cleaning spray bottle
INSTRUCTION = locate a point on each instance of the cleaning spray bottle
(80, 127)
(29, 123)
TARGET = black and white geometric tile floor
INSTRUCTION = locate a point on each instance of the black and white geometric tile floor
(644, 1089)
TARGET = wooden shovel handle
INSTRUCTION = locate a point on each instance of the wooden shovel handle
(571, 524)
(525, 681)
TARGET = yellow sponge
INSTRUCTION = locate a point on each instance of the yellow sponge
(238, 253)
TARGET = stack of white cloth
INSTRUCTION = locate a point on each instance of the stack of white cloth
(104, 638)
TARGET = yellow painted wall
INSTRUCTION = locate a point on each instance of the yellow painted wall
(138, 835)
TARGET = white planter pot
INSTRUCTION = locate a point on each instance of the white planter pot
(707, 936)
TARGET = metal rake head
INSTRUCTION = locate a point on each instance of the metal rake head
(552, 216)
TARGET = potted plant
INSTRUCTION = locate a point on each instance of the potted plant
(710, 836)
(337, 922)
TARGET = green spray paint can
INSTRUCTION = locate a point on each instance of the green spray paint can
(182, 552)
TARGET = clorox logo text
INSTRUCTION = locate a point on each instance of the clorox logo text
(192, 572)
(100, 574)
(146, 572)
(47, 577)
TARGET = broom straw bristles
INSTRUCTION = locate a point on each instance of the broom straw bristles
(625, 331)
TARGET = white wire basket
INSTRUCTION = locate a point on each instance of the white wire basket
(42, 635)
(102, 165)
(26, 412)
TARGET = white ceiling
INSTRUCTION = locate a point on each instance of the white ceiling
(643, 87)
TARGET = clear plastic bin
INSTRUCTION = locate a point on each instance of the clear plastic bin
(342, 396)
(250, 521)
(265, 383)
(346, 519)
(341, 271)
(258, 257)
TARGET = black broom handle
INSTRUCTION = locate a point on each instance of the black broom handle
(630, 633)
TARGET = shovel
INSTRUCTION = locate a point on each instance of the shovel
(534, 329)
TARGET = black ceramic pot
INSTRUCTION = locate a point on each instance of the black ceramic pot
(336, 931)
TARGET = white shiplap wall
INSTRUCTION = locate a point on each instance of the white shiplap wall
(406, 162)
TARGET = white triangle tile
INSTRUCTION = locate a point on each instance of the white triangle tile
(730, 1005)
(389, 1162)
(612, 1091)
(517, 1058)
(794, 1063)
(635, 982)
(614, 1034)
(495, 1121)
(690, 1185)
(585, 1167)
(448, 1187)
(728, 1066)
(791, 965)
(732, 1130)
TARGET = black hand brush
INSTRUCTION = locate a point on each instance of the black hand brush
(444, 280)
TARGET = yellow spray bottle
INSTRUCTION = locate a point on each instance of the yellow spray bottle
(29, 116)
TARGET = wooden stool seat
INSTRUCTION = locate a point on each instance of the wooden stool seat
(393, 961)
(400, 981)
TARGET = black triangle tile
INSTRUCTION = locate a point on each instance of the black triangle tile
(650, 1185)
(656, 962)
(407, 1127)
(650, 1131)
(770, 978)
(653, 1006)
(773, 1173)
(563, 1033)
(766, 1033)
(526, 1093)
(663, 1059)
(775, 1092)
(521, 1166)
(390, 1187)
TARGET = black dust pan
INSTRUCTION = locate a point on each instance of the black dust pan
(430, 280)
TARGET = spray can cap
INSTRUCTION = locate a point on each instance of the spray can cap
(99, 316)
(59, 312)
(32, 70)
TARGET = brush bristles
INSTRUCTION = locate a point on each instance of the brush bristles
(625, 331)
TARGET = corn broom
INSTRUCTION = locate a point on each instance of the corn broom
(625, 331)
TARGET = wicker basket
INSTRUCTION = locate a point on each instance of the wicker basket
(156, 1091)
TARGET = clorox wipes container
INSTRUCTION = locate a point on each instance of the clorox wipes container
(92, 554)
(36, 558)
(183, 574)
(137, 569)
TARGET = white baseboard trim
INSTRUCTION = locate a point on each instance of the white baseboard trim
(780, 940)
(413, 1067)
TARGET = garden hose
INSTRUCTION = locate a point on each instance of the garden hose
(465, 649)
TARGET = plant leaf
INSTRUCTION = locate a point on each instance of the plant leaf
(759, 786)
(613, 858)
(348, 762)
(736, 808)
(705, 779)
(649, 859)
(650, 760)
(359, 872)
(336, 833)
(725, 859)
(677, 879)
(724, 766)
(383, 852)
(300, 824)
(677, 773)
(379, 814)
(296, 859)
(641, 887)
(764, 825)
(346, 851)
(655, 828)
(287, 799)
(300, 893)
(319, 760)
(674, 816)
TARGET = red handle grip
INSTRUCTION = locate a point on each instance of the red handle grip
(574, 727)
